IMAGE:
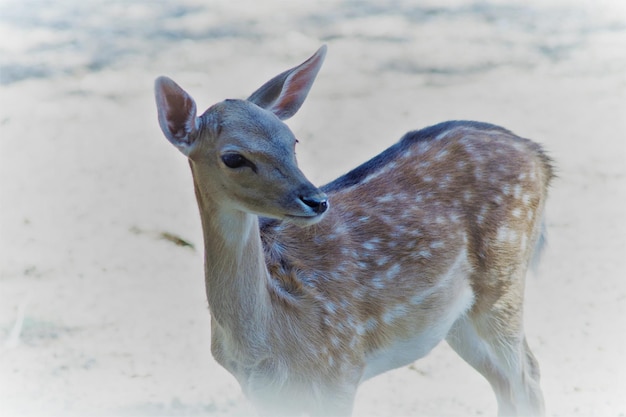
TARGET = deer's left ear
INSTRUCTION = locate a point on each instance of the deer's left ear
(177, 114)
(284, 94)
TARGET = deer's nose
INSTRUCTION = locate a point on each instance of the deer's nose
(318, 203)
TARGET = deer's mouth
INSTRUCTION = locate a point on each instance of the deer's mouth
(312, 204)
(304, 220)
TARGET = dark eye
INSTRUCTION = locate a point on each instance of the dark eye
(235, 160)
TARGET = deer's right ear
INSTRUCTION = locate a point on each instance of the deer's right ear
(177, 114)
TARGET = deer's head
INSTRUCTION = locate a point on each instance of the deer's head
(241, 152)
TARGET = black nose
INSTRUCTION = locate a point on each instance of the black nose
(319, 204)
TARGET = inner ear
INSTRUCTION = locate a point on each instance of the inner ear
(177, 113)
(284, 94)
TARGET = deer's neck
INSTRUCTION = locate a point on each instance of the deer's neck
(236, 276)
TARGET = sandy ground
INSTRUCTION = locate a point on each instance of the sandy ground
(100, 315)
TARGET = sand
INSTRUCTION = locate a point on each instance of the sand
(100, 314)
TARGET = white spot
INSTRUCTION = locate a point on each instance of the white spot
(477, 157)
(524, 241)
(398, 230)
(394, 313)
(503, 234)
(441, 154)
(393, 271)
(382, 260)
(442, 135)
(519, 146)
(354, 342)
(506, 190)
(384, 170)
(517, 191)
(506, 234)
(340, 327)
(467, 195)
(369, 326)
(480, 217)
(424, 253)
(341, 229)
(378, 283)
(330, 307)
(345, 251)
(419, 298)
(358, 292)
(516, 212)
(521, 176)
(427, 178)
(526, 199)
(437, 244)
(371, 244)
(423, 147)
(386, 198)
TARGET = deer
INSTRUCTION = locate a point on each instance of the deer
(312, 291)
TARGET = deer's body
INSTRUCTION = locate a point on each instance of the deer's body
(430, 240)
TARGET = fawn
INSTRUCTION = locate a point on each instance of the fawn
(314, 290)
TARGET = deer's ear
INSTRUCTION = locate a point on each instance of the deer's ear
(284, 94)
(177, 114)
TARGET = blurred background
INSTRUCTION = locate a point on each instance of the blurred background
(102, 304)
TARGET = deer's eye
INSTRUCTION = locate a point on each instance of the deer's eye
(235, 160)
